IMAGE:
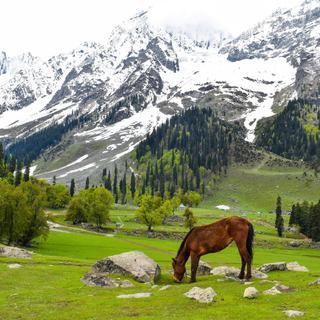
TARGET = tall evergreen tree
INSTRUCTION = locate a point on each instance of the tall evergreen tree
(133, 185)
(115, 184)
(72, 187)
(107, 182)
(18, 175)
(26, 176)
(124, 188)
(87, 186)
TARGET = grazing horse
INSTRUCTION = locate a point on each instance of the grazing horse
(211, 238)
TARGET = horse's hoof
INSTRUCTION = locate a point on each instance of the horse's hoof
(241, 276)
(192, 281)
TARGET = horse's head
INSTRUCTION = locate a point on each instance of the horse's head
(178, 270)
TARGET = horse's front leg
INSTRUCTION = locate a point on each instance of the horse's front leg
(194, 266)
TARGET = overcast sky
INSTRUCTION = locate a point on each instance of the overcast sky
(48, 27)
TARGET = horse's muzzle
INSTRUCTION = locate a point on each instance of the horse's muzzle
(175, 279)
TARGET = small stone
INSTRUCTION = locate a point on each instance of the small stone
(276, 266)
(251, 293)
(295, 244)
(295, 266)
(273, 291)
(165, 287)
(14, 266)
(282, 288)
(247, 283)
(135, 295)
(259, 275)
(293, 313)
(202, 295)
(102, 280)
(315, 282)
(154, 286)
(268, 281)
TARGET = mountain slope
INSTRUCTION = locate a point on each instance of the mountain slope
(100, 100)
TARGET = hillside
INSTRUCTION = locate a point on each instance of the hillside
(294, 133)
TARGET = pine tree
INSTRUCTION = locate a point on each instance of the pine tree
(133, 185)
(278, 211)
(124, 188)
(104, 173)
(18, 175)
(162, 180)
(87, 186)
(26, 176)
(72, 188)
(54, 180)
(107, 182)
(2, 161)
(115, 184)
(279, 223)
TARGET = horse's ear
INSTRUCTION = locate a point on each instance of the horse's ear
(174, 260)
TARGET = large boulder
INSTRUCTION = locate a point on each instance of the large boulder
(14, 252)
(202, 295)
(295, 266)
(204, 268)
(102, 280)
(275, 266)
(134, 264)
(251, 293)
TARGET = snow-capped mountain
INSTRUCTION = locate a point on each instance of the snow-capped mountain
(118, 91)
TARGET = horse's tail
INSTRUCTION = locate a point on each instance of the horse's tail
(250, 240)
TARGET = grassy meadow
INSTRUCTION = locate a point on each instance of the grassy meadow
(48, 286)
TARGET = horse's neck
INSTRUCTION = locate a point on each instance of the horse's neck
(183, 256)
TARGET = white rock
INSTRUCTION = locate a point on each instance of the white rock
(315, 282)
(273, 291)
(201, 295)
(165, 287)
(251, 293)
(154, 286)
(14, 252)
(295, 266)
(293, 313)
(14, 266)
(133, 263)
(247, 283)
(135, 295)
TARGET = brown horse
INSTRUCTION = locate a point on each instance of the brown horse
(215, 237)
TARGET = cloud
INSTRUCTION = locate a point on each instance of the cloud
(52, 26)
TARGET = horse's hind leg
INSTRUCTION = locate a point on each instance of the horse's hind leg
(245, 258)
(243, 266)
(194, 266)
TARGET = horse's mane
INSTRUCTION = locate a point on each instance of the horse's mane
(184, 241)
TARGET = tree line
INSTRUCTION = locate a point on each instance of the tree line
(294, 133)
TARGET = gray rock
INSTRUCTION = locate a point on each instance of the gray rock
(295, 266)
(251, 293)
(273, 291)
(202, 295)
(293, 313)
(135, 295)
(14, 266)
(295, 244)
(315, 282)
(14, 252)
(282, 288)
(276, 266)
(204, 268)
(231, 272)
(134, 263)
(102, 280)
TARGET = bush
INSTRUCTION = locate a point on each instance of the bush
(58, 196)
(90, 205)
(191, 198)
(190, 219)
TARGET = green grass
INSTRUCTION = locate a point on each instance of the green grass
(48, 285)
